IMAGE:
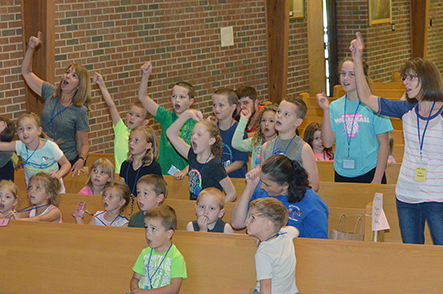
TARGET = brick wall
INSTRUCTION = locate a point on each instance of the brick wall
(182, 40)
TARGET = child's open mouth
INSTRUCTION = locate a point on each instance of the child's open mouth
(194, 145)
(2, 206)
(177, 106)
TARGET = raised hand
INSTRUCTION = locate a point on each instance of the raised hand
(323, 101)
(245, 113)
(253, 176)
(34, 42)
(196, 115)
(98, 79)
(357, 46)
(146, 68)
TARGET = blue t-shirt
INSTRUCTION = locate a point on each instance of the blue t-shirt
(309, 216)
(230, 154)
(359, 126)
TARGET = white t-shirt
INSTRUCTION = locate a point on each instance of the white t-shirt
(275, 260)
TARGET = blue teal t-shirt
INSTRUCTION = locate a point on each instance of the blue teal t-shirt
(309, 216)
(359, 125)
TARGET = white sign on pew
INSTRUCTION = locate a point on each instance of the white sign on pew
(379, 220)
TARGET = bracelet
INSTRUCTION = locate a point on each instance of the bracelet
(82, 158)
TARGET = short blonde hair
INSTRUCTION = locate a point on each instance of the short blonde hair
(271, 209)
(156, 182)
(166, 214)
(213, 192)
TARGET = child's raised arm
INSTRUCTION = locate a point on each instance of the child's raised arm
(237, 140)
(174, 131)
(150, 105)
(241, 207)
(115, 116)
(327, 135)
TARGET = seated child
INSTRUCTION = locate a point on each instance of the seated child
(137, 116)
(275, 257)
(44, 196)
(209, 210)
(160, 265)
(312, 136)
(115, 198)
(8, 198)
(101, 174)
(6, 164)
(151, 193)
(142, 157)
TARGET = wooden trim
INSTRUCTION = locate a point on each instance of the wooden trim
(277, 40)
(39, 16)
(419, 27)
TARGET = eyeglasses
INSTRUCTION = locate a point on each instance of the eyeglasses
(408, 78)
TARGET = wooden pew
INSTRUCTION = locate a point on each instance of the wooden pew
(326, 172)
(391, 90)
(91, 259)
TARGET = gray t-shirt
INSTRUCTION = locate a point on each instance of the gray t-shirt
(66, 121)
(291, 148)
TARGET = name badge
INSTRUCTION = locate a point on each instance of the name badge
(227, 163)
(348, 163)
(173, 170)
(420, 173)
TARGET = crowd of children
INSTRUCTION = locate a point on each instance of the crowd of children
(278, 203)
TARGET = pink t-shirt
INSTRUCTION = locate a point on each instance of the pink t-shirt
(322, 155)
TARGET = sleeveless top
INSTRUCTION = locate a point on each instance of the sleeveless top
(99, 218)
(218, 228)
(33, 211)
(293, 152)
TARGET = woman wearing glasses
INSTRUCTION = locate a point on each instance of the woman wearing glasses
(419, 188)
(361, 136)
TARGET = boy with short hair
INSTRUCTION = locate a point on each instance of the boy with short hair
(289, 116)
(247, 99)
(151, 193)
(6, 164)
(136, 116)
(182, 97)
(209, 210)
(275, 257)
(161, 265)
(224, 104)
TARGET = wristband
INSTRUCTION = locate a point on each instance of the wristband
(84, 160)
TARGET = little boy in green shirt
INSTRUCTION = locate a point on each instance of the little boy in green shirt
(182, 97)
(161, 265)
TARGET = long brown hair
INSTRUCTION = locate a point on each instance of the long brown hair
(51, 184)
(152, 153)
(258, 137)
(83, 94)
(308, 137)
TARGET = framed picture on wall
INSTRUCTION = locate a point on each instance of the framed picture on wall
(380, 11)
(296, 8)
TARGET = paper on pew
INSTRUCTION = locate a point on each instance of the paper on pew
(379, 220)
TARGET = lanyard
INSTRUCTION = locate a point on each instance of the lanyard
(143, 220)
(136, 177)
(276, 235)
(348, 135)
(27, 159)
(227, 133)
(53, 110)
(156, 270)
(31, 208)
(424, 131)
(275, 142)
(203, 164)
(96, 217)
(187, 136)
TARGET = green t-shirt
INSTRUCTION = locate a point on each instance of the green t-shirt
(168, 155)
(137, 220)
(160, 269)
(121, 149)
